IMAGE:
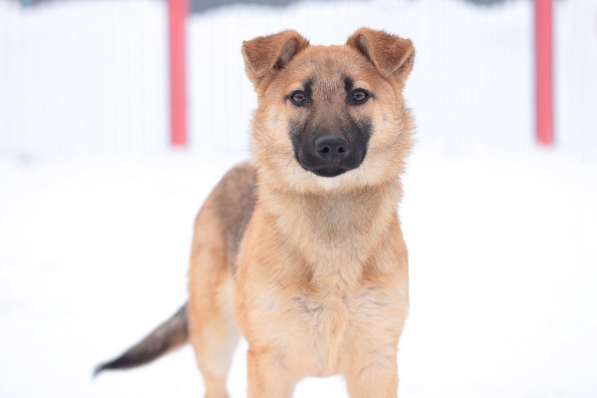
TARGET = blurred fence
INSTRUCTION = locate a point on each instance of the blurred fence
(90, 77)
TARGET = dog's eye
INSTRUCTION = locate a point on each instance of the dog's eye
(358, 96)
(298, 98)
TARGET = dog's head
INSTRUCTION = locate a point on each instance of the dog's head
(329, 117)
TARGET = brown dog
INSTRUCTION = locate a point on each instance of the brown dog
(301, 250)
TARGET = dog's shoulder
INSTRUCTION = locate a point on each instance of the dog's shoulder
(234, 201)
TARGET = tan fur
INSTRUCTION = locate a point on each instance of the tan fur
(312, 270)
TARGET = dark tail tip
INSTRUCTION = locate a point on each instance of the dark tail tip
(170, 335)
(99, 369)
(122, 362)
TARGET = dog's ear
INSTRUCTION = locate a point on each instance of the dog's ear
(393, 56)
(267, 54)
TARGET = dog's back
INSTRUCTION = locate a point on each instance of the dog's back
(230, 206)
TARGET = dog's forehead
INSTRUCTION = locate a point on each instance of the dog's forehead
(327, 67)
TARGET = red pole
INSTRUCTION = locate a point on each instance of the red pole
(177, 13)
(544, 71)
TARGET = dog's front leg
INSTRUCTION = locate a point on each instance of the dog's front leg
(377, 379)
(269, 376)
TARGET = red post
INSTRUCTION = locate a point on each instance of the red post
(544, 72)
(177, 13)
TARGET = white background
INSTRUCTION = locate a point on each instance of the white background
(96, 212)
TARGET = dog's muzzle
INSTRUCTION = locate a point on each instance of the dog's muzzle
(329, 155)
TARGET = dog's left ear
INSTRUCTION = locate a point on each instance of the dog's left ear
(393, 56)
(266, 55)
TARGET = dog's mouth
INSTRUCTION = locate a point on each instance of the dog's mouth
(330, 171)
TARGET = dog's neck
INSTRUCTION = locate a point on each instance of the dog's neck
(335, 234)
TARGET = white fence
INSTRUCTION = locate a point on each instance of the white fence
(80, 78)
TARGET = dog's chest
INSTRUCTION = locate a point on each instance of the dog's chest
(322, 330)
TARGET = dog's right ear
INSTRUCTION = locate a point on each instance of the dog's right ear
(267, 54)
(392, 56)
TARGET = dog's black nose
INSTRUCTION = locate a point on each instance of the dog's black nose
(331, 148)
(327, 154)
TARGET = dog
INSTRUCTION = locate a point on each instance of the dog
(301, 249)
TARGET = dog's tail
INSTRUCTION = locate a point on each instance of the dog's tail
(171, 334)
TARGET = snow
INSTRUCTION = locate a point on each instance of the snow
(96, 214)
(502, 251)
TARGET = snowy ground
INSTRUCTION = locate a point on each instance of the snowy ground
(503, 256)
(95, 215)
